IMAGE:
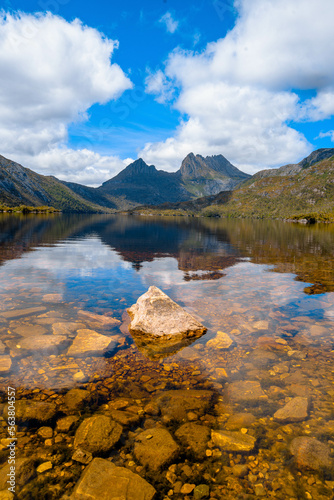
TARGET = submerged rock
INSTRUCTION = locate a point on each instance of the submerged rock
(102, 480)
(221, 341)
(246, 391)
(195, 436)
(156, 315)
(90, 343)
(24, 471)
(155, 447)
(27, 410)
(310, 453)
(233, 441)
(97, 434)
(177, 404)
(295, 410)
(5, 364)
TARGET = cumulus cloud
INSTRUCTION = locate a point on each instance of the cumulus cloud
(52, 72)
(170, 23)
(239, 97)
(158, 84)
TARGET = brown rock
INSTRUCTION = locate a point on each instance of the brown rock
(195, 436)
(176, 404)
(233, 441)
(90, 343)
(295, 410)
(5, 364)
(97, 434)
(155, 447)
(246, 391)
(310, 453)
(102, 480)
(221, 341)
(27, 410)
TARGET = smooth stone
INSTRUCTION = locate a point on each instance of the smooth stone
(233, 441)
(44, 467)
(124, 417)
(240, 470)
(65, 424)
(261, 325)
(24, 471)
(98, 318)
(27, 410)
(310, 453)
(5, 364)
(18, 313)
(201, 491)
(295, 410)
(45, 432)
(66, 327)
(50, 344)
(76, 399)
(97, 434)
(30, 330)
(155, 314)
(239, 420)
(90, 343)
(187, 488)
(246, 391)
(221, 341)
(79, 376)
(194, 436)
(155, 447)
(102, 480)
(177, 404)
(6, 495)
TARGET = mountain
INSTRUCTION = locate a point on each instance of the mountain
(206, 176)
(140, 183)
(143, 184)
(22, 186)
(302, 190)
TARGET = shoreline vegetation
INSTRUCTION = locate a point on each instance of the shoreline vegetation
(208, 212)
(24, 209)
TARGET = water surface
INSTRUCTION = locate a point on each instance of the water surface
(267, 284)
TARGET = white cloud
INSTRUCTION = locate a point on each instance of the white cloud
(158, 84)
(238, 97)
(170, 23)
(52, 72)
(330, 134)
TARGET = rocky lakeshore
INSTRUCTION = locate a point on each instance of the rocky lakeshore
(235, 416)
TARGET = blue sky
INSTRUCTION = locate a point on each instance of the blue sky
(249, 79)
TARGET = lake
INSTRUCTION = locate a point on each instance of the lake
(196, 420)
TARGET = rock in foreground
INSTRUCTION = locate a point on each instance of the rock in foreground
(102, 480)
(155, 314)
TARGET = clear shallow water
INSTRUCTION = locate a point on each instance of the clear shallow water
(268, 285)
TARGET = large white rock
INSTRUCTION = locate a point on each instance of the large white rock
(155, 314)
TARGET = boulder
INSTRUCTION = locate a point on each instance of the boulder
(27, 410)
(196, 437)
(24, 471)
(155, 447)
(97, 434)
(176, 404)
(90, 343)
(156, 315)
(310, 453)
(248, 391)
(295, 410)
(44, 344)
(233, 441)
(102, 480)
(75, 400)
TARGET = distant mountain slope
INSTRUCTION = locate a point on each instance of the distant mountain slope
(206, 176)
(290, 191)
(22, 186)
(140, 183)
